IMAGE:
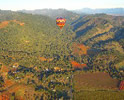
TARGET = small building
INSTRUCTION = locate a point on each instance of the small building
(15, 65)
(57, 69)
(47, 69)
(62, 69)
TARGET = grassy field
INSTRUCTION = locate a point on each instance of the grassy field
(96, 86)
(99, 80)
(99, 95)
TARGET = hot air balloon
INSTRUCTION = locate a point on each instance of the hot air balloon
(60, 22)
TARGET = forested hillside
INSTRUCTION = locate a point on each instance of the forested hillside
(38, 59)
(104, 34)
(32, 49)
(38, 36)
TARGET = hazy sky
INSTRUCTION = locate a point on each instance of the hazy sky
(55, 4)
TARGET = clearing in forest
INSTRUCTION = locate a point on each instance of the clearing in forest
(94, 81)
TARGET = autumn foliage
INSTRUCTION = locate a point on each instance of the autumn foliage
(121, 87)
(18, 22)
(77, 65)
(43, 59)
(8, 83)
(80, 49)
(4, 69)
(46, 59)
(4, 97)
(5, 23)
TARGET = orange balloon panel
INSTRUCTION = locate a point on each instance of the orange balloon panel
(60, 22)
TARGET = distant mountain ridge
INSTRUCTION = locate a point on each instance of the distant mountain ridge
(54, 13)
(111, 11)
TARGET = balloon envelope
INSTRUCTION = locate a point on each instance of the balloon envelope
(60, 22)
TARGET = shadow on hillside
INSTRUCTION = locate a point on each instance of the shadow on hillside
(84, 31)
(93, 52)
(76, 21)
(92, 38)
(79, 24)
(118, 35)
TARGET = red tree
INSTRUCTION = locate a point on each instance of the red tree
(121, 87)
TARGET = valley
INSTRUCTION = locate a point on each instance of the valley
(38, 61)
